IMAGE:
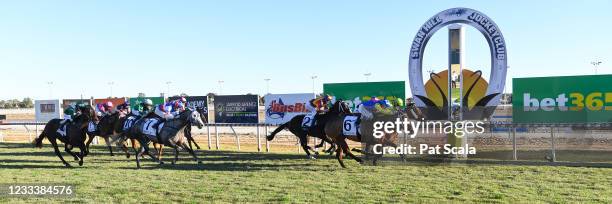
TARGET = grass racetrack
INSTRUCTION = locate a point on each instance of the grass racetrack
(231, 176)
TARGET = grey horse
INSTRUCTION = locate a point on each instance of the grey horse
(168, 134)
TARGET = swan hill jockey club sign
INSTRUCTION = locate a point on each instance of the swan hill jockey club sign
(355, 93)
(280, 108)
(236, 109)
(195, 102)
(567, 99)
(478, 98)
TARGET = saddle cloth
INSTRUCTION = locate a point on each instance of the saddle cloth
(62, 129)
(308, 121)
(92, 127)
(350, 126)
(148, 128)
(129, 122)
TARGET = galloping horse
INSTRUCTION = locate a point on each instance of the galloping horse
(334, 129)
(74, 134)
(168, 134)
(317, 130)
(109, 126)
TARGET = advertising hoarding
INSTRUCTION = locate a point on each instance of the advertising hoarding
(236, 109)
(566, 99)
(280, 108)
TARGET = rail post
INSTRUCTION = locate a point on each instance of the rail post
(217, 137)
(236, 135)
(552, 141)
(208, 134)
(258, 138)
(267, 142)
(514, 156)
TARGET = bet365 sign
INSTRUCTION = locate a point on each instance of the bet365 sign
(569, 99)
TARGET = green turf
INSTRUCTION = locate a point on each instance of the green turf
(229, 176)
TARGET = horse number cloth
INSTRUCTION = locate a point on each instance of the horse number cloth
(128, 123)
(350, 126)
(92, 127)
(148, 128)
(308, 120)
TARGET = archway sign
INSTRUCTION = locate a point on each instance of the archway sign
(467, 16)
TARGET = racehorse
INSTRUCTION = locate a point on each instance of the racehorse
(295, 126)
(74, 134)
(334, 129)
(108, 127)
(168, 134)
(188, 128)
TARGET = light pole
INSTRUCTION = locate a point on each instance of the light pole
(221, 86)
(110, 85)
(367, 76)
(50, 84)
(313, 77)
(267, 86)
(596, 64)
(168, 88)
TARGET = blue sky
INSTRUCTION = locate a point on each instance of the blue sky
(140, 45)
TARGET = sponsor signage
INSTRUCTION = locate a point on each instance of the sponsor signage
(566, 99)
(236, 109)
(355, 93)
(482, 96)
(195, 102)
(46, 110)
(280, 108)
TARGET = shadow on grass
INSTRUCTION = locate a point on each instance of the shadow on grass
(226, 166)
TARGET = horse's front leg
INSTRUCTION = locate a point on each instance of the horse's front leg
(68, 148)
(191, 152)
(57, 152)
(89, 140)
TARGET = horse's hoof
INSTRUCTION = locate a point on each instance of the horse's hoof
(199, 162)
(311, 157)
(80, 163)
(316, 153)
(67, 165)
(161, 162)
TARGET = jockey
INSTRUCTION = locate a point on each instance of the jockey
(68, 114)
(104, 108)
(320, 104)
(143, 108)
(171, 109)
(124, 108)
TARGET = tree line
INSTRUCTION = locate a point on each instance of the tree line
(16, 103)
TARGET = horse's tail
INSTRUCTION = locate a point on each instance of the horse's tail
(277, 130)
(38, 141)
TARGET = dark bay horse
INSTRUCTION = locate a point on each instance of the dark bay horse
(168, 134)
(317, 130)
(75, 134)
(334, 129)
(109, 126)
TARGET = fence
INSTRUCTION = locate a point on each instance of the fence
(234, 136)
(589, 143)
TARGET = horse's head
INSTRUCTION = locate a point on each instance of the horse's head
(340, 107)
(193, 117)
(202, 111)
